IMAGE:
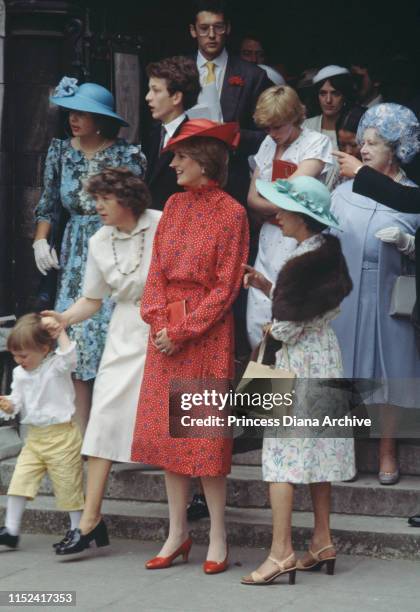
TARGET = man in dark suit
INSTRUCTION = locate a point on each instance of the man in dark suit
(230, 87)
(381, 188)
(173, 87)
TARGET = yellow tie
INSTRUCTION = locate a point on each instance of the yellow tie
(211, 73)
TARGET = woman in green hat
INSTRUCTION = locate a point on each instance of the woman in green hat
(92, 147)
(309, 289)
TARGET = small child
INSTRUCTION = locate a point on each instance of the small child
(43, 392)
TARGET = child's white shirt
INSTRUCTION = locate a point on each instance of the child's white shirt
(45, 396)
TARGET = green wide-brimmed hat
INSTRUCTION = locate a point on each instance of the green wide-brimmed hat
(303, 194)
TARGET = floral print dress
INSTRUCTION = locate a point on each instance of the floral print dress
(312, 352)
(82, 224)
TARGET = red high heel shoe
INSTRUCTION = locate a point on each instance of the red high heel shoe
(163, 562)
(216, 567)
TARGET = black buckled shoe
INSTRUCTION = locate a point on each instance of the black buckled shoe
(7, 539)
(414, 521)
(78, 542)
(197, 509)
(64, 540)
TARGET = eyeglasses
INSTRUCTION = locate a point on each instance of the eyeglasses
(204, 29)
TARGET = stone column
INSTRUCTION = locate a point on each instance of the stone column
(4, 180)
(38, 54)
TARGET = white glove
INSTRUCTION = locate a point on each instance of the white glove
(394, 235)
(45, 258)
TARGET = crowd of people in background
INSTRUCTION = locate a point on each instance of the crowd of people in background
(258, 206)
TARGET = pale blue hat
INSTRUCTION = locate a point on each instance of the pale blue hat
(397, 125)
(89, 97)
(303, 194)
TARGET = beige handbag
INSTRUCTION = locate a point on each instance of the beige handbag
(403, 296)
(260, 379)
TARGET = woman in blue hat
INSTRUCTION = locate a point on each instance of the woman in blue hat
(306, 297)
(92, 147)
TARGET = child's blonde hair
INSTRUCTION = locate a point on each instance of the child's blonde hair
(29, 334)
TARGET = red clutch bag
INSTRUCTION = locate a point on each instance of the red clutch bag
(176, 311)
(282, 169)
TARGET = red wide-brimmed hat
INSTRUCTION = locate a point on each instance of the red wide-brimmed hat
(227, 132)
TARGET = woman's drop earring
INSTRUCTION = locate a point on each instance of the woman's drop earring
(98, 132)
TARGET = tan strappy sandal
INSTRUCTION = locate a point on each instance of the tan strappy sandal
(316, 562)
(258, 579)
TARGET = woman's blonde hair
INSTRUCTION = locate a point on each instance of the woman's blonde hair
(279, 105)
(29, 334)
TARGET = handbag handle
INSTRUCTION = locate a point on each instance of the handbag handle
(263, 346)
(406, 268)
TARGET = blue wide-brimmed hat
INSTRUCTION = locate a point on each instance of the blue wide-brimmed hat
(89, 97)
(303, 194)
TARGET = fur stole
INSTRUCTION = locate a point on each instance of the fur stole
(313, 283)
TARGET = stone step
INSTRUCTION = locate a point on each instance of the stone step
(10, 443)
(365, 496)
(366, 455)
(387, 538)
(246, 490)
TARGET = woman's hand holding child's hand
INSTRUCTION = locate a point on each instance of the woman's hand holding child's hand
(52, 324)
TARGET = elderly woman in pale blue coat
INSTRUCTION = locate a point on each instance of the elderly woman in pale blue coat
(377, 243)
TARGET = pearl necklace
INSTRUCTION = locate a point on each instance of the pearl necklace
(141, 251)
(93, 152)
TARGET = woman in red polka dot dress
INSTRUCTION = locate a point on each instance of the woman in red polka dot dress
(200, 244)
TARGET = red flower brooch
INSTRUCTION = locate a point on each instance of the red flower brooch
(238, 81)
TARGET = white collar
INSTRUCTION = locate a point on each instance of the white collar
(311, 243)
(142, 224)
(173, 125)
(39, 368)
(220, 60)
